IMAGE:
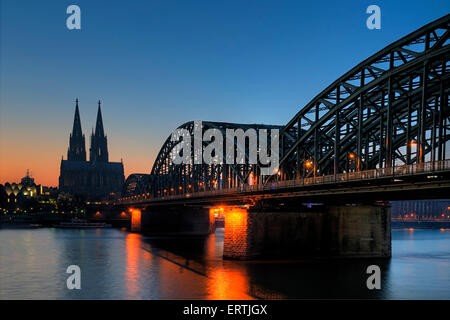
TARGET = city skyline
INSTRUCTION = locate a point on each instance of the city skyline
(163, 65)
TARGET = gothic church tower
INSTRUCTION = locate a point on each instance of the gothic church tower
(77, 146)
(99, 144)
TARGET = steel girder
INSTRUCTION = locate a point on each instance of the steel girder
(170, 178)
(136, 184)
(390, 109)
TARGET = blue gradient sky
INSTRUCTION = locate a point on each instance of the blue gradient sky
(158, 64)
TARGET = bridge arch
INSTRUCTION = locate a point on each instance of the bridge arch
(171, 178)
(137, 184)
(390, 109)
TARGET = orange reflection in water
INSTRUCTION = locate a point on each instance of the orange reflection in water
(228, 284)
(134, 254)
(227, 280)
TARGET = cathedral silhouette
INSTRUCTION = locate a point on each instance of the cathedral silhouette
(97, 178)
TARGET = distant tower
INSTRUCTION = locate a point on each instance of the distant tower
(99, 145)
(77, 146)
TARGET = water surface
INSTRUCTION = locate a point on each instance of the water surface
(116, 264)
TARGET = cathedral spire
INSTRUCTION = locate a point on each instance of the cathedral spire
(99, 145)
(99, 132)
(76, 131)
(77, 146)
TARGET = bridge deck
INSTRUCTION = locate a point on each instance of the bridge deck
(416, 181)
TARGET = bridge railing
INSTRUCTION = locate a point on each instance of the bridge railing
(393, 172)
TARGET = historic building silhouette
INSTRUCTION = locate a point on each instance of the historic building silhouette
(96, 178)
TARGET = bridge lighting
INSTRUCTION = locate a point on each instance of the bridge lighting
(352, 156)
(308, 164)
(413, 143)
(189, 186)
(180, 187)
(171, 189)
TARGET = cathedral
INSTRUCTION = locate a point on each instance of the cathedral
(97, 178)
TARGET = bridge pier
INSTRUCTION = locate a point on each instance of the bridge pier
(173, 220)
(330, 231)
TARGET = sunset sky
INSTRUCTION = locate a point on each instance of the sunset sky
(158, 64)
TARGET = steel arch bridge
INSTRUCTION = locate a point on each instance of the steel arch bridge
(170, 178)
(391, 109)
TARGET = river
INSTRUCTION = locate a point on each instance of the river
(116, 264)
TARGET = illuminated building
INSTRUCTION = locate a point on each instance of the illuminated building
(26, 196)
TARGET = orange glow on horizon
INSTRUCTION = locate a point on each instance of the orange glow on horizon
(42, 155)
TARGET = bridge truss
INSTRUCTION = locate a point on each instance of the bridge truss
(173, 178)
(392, 109)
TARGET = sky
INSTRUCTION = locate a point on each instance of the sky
(158, 64)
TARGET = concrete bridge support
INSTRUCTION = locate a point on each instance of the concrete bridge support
(174, 220)
(329, 231)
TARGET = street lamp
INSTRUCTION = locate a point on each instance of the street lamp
(352, 156)
(311, 164)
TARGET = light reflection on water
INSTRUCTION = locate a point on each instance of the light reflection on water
(116, 264)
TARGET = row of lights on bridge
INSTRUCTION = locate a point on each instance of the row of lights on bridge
(147, 196)
(351, 156)
(308, 165)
